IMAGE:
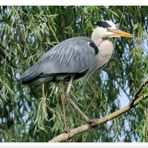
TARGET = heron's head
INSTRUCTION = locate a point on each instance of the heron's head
(108, 29)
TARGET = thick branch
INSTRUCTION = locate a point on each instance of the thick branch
(136, 99)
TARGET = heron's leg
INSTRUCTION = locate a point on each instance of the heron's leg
(85, 117)
(43, 90)
(73, 103)
(63, 97)
(69, 86)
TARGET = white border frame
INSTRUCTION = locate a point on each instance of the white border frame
(74, 2)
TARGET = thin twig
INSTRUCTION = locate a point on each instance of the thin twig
(138, 93)
(65, 136)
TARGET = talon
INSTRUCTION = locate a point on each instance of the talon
(92, 122)
(67, 130)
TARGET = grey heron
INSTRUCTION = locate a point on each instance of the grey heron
(75, 57)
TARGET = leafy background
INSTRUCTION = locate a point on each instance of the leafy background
(29, 31)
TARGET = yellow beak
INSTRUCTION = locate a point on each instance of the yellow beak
(121, 33)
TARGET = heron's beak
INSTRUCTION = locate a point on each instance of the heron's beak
(121, 33)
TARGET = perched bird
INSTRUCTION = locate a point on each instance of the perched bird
(75, 57)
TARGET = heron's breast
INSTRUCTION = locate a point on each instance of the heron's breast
(106, 48)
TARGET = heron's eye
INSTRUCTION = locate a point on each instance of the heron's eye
(108, 29)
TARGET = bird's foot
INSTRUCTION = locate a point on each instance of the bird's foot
(92, 122)
(67, 130)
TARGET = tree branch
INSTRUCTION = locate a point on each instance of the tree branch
(136, 96)
(136, 99)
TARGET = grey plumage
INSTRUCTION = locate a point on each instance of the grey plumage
(72, 56)
(77, 56)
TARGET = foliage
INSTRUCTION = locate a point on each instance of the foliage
(27, 115)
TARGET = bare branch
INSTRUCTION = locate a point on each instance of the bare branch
(136, 96)
(136, 99)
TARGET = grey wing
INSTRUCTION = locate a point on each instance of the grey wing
(72, 56)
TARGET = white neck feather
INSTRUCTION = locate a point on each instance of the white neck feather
(105, 47)
(96, 36)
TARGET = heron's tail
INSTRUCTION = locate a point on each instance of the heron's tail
(30, 75)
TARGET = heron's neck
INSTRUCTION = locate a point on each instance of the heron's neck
(96, 37)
